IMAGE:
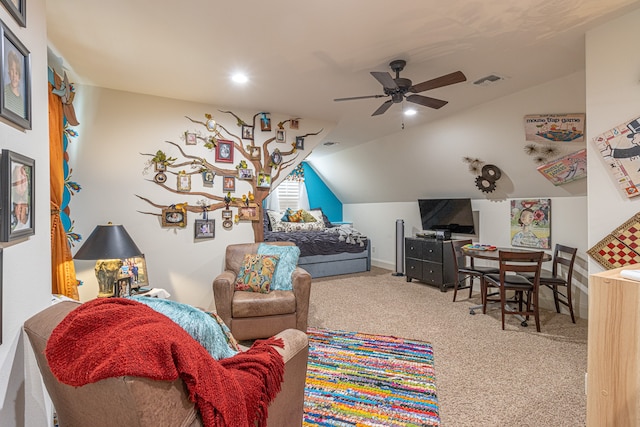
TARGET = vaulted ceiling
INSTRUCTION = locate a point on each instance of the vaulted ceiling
(301, 55)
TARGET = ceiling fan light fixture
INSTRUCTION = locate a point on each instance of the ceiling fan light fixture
(410, 112)
(240, 78)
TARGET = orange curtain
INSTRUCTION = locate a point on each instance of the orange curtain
(63, 273)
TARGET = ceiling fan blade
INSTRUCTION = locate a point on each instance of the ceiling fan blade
(360, 97)
(383, 108)
(385, 78)
(445, 80)
(426, 101)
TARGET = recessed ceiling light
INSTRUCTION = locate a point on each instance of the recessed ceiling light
(410, 112)
(240, 78)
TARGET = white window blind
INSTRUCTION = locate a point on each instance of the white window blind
(289, 195)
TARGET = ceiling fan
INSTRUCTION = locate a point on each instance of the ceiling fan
(398, 87)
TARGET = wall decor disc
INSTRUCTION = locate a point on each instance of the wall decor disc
(227, 224)
(160, 178)
(491, 172)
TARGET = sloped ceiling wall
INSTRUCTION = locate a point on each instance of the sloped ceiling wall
(427, 160)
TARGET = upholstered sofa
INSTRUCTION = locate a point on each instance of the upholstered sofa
(251, 315)
(134, 401)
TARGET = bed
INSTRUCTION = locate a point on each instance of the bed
(325, 249)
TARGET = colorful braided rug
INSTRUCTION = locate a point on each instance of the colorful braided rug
(356, 379)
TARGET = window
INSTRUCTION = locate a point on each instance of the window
(289, 195)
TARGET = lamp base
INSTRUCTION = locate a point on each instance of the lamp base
(107, 273)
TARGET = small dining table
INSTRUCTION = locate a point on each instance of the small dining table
(494, 255)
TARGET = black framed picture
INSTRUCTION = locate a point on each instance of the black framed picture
(17, 9)
(247, 132)
(123, 287)
(17, 198)
(15, 79)
(299, 143)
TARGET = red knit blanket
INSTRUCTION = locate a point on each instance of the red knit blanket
(112, 337)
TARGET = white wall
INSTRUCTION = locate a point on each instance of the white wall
(26, 273)
(612, 94)
(115, 128)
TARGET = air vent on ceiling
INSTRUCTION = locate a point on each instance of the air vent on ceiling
(489, 80)
(330, 143)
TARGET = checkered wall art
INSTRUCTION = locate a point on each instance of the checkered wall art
(621, 247)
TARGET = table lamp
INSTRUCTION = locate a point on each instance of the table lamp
(108, 244)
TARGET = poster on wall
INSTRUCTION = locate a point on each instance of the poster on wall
(531, 223)
(620, 149)
(546, 128)
(566, 169)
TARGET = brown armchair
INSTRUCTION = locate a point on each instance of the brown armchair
(252, 315)
(135, 401)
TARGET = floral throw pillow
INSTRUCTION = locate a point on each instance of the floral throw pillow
(256, 273)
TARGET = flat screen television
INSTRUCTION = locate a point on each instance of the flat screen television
(454, 215)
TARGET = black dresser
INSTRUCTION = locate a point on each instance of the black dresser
(430, 261)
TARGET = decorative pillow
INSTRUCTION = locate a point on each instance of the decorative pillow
(295, 217)
(320, 216)
(306, 216)
(206, 328)
(287, 262)
(289, 227)
(285, 215)
(256, 273)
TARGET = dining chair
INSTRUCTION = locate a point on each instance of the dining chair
(512, 265)
(566, 256)
(467, 270)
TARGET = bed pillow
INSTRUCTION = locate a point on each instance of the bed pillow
(306, 216)
(256, 273)
(320, 216)
(287, 262)
(290, 227)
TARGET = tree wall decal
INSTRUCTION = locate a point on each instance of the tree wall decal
(265, 158)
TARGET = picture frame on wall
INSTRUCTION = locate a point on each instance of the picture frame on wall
(531, 223)
(15, 79)
(224, 151)
(204, 229)
(17, 198)
(247, 132)
(174, 218)
(17, 9)
(229, 183)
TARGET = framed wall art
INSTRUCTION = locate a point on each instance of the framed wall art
(190, 138)
(254, 152)
(17, 9)
(620, 149)
(265, 124)
(172, 217)
(247, 132)
(531, 223)
(264, 180)
(299, 143)
(280, 135)
(15, 79)
(229, 183)
(245, 173)
(224, 151)
(17, 199)
(184, 181)
(554, 127)
(207, 178)
(249, 213)
(204, 229)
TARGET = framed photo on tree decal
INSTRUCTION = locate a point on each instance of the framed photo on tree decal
(204, 229)
(229, 183)
(172, 217)
(247, 132)
(224, 151)
(15, 102)
(17, 201)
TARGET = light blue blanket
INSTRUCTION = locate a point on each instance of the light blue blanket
(200, 325)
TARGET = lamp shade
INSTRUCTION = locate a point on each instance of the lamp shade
(108, 242)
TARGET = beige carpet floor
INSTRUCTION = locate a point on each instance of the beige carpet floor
(485, 376)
